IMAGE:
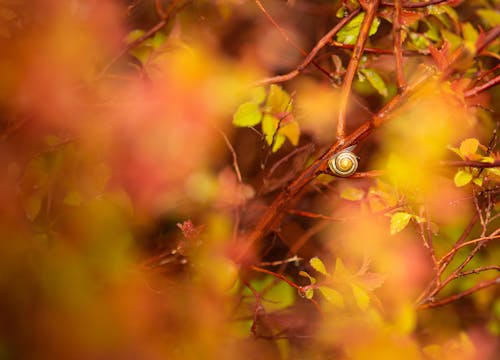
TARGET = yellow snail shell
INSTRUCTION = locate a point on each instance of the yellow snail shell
(344, 163)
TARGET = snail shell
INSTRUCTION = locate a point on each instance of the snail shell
(344, 163)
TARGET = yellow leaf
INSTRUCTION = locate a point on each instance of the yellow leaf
(352, 194)
(469, 147)
(318, 265)
(361, 296)
(332, 296)
(291, 131)
(462, 178)
(399, 221)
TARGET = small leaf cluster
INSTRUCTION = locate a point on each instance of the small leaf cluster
(341, 284)
(273, 110)
(470, 150)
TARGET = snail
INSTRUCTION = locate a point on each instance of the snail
(344, 163)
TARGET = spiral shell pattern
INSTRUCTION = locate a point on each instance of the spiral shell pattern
(343, 164)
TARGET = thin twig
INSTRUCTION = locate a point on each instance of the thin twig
(287, 38)
(233, 154)
(450, 299)
(315, 216)
(380, 51)
(312, 54)
(476, 90)
(397, 43)
(414, 5)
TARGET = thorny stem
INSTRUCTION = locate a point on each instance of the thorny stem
(371, 10)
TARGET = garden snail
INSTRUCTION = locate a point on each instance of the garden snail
(344, 163)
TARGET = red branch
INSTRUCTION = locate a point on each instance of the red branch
(483, 87)
(371, 11)
(309, 58)
(450, 299)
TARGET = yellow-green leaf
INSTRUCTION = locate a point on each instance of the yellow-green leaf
(454, 40)
(332, 296)
(462, 178)
(375, 80)
(318, 265)
(349, 33)
(361, 296)
(352, 194)
(489, 17)
(399, 221)
(469, 32)
(309, 293)
(248, 114)
(478, 181)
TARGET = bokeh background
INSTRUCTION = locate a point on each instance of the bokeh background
(121, 207)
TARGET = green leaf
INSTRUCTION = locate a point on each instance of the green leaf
(318, 265)
(352, 194)
(462, 178)
(420, 42)
(361, 296)
(375, 80)
(454, 40)
(309, 293)
(478, 181)
(248, 114)
(468, 147)
(399, 221)
(134, 35)
(469, 32)
(279, 297)
(349, 33)
(332, 296)
(489, 17)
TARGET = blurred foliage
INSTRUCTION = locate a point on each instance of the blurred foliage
(137, 155)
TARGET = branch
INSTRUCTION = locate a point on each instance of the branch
(414, 5)
(164, 15)
(450, 299)
(287, 38)
(309, 58)
(475, 164)
(398, 50)
(371, 11)
(476, 90)
(380, 51)
(278, 207)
